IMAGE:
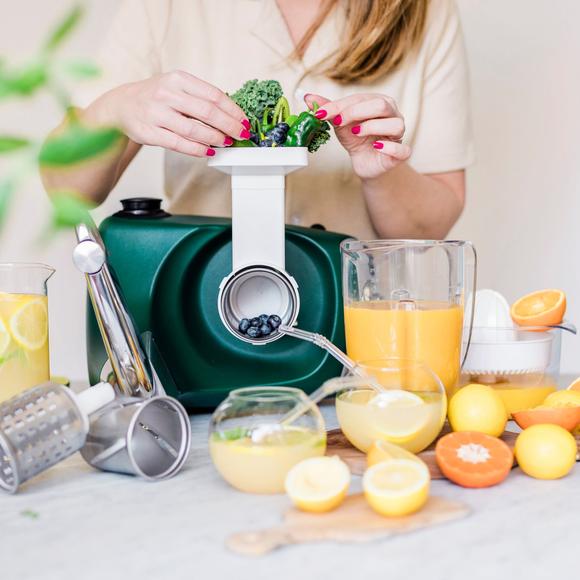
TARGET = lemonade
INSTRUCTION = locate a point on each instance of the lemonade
(260, 463)
(429, 331)
(24, 360)
(409, 419)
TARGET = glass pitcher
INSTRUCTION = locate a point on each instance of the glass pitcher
(407, 299)
(24, 359)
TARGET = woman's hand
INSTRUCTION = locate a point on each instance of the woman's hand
(369, 127)
(174, 110)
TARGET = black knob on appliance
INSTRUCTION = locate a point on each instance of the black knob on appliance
(142, 207)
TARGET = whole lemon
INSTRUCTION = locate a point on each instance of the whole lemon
(478, 408)
(546, 451)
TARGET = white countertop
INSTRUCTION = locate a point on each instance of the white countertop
(78, 523)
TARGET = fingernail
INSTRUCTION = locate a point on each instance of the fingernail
(320, 114)
(337, 120)
(210, 152)
(246, 124)
(356, 130)
(245, 134)
(228, 141)
(378, 145)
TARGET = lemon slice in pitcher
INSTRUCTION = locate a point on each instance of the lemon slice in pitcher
(29, 325)
(4, 337)
(398, 415)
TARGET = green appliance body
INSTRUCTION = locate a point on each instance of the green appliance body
(169, 270)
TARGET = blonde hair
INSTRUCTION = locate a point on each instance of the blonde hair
(378, 36)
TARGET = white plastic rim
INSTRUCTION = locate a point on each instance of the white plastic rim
(259, 160)
(502, 351)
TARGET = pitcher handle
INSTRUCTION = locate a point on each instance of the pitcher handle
(470, 277)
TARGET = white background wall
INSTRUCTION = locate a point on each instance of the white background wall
(523, 210)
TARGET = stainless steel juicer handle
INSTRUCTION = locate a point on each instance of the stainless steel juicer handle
(130, 365)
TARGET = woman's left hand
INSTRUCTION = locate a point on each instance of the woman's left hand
(369, 127)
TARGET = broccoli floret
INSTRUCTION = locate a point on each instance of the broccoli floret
(256, 95)
(319, 138)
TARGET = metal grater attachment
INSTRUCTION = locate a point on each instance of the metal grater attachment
(37, 430)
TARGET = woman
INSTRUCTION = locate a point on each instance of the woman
(389, 74)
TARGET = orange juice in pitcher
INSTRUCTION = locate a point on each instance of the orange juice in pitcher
(406, 298)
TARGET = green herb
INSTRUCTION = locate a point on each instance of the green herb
(232, 434)
(255, 96)
(30, 514)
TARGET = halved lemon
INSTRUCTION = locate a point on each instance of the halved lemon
(541, 308)
(574, 385)
(29, 325)
(398, 415)
(318, 484)
(396, 488)
(384, 451)
(565, 398)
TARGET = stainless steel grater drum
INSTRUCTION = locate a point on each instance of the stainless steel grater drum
(43, 426)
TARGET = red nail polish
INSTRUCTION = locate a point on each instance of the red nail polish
(245, 134)
(246, 124)
(337, 120)
(210, 152)
(228, 141)
(356, 130)
(378, 145)
(320, 114)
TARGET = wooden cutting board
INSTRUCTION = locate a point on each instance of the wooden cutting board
(353, 521)
(338, 444)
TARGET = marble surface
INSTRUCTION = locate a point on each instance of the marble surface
(74, 522)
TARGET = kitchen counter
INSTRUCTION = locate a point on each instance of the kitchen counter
(74, 522)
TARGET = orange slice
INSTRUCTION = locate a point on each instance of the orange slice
(473, 459)
(574, 386)
(541, 308)
(566, 417)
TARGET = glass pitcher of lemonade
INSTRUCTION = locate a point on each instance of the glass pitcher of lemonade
(24, 360)
(406, 299)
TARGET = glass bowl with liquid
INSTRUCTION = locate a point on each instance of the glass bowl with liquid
(397, 400)
(251, 442)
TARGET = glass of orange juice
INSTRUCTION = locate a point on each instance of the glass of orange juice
(408, 409)
(251, 446)
(24, 357)
(406, 299)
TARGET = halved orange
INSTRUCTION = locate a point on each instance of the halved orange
(566, 417)
(473, 459)
(574, 385)
(541, 308)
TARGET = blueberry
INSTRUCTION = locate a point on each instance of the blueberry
(274, 321)
(265, 329)
(255, 322)
(263, 318)
(266, 142)
(279, 133)
(254, 332)
(244, 325)
(254, 138)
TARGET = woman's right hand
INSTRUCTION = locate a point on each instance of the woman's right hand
(174, 110)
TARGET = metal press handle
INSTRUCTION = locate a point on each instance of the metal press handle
(120, 338)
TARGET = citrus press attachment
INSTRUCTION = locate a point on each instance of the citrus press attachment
(143, 432)
(42, 426)
(259, 283)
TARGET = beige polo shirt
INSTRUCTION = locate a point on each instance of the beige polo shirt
(227, 42)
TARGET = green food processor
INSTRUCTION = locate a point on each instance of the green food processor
(189, 281)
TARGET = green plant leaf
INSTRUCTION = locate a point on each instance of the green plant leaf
(64, 28)
(24, 82)
(9, 143)
(69, 209)
(77, 143)
(81, 69)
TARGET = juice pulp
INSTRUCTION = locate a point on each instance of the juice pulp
(414, 427)
(431, 332)
(24, 360)
(261, 467)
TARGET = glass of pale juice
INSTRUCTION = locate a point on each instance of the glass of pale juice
(24, 356)
(250, 445)
(401, 401)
